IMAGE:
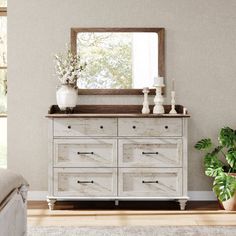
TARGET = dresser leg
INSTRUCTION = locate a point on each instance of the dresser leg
(116, 202)
(182, 204)
(51, 203)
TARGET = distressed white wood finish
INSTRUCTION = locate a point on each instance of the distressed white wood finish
(85, 182)
(149, 127)
(85, 153)
(51, 203)
(120, 164)
(85, 127)
(51, 154)
(150, 152)
(185, 158)
(150, 182)
(182, 204)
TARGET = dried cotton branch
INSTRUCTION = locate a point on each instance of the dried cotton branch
(68, 67)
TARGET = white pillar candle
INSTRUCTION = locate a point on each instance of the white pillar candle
(159, 81)
(173, 85)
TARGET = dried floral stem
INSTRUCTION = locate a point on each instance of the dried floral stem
(68, 66)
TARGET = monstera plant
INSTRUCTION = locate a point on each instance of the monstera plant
(220, 163)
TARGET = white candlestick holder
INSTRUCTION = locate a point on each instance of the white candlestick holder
(158, 100)
(145, 109)
(173, 111)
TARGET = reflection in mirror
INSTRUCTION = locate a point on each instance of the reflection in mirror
(3, 3)
(3, 41)
(3, 91)
(118, 60)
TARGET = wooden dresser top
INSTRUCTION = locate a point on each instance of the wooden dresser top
(114, 111)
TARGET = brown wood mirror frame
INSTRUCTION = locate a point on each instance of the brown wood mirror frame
(161, 57)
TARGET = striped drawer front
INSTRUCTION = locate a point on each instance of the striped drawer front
(150, 152)
(85, 153)
(85, 182)
(148, 127)
(150, 182)
(85, 127)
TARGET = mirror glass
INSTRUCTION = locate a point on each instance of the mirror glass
(118, 60)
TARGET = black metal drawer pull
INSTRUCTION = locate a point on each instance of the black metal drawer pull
(85, 182)
(101, 127)
(166, 127)
(152, 153)
(134, 127)
(150, 182)
(81, 153)
(69, 127)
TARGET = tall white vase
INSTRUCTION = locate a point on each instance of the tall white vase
(66, 97)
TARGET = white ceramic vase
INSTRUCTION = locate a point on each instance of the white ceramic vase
(66, 97)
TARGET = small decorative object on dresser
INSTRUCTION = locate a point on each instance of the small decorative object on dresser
(114, 152)
(145, 109)
(185, 111)
(158, 100)
(66, 97)
(173, 111)
(68, 67)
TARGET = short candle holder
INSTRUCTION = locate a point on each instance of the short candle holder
(185, 111)
(158, 100)
(173, 111)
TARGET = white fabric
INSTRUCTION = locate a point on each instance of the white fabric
(13, 217)
(9, 181)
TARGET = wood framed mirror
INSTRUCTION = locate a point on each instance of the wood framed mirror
(120, 61)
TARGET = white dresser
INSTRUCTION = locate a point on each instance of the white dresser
(123, 156)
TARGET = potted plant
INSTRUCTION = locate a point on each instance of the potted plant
(220, 163)
(68, 67)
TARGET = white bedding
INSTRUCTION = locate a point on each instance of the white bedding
(13, 204)
(9, 181)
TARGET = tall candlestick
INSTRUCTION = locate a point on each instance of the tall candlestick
(172, 111)
(145, 109)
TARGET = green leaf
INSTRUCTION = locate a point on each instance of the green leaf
(203, 144)
(213, 166)
(224, 186)
(227, 137)
(213, 172)
(231, 157)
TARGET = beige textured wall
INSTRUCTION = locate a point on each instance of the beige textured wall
(200, 55)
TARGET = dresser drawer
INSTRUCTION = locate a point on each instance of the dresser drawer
(150, 152)
(149, 127)
(150, 182)
(85, 182)
(85, 153)
(85, 127)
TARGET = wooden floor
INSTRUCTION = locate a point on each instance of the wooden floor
(128, 213)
